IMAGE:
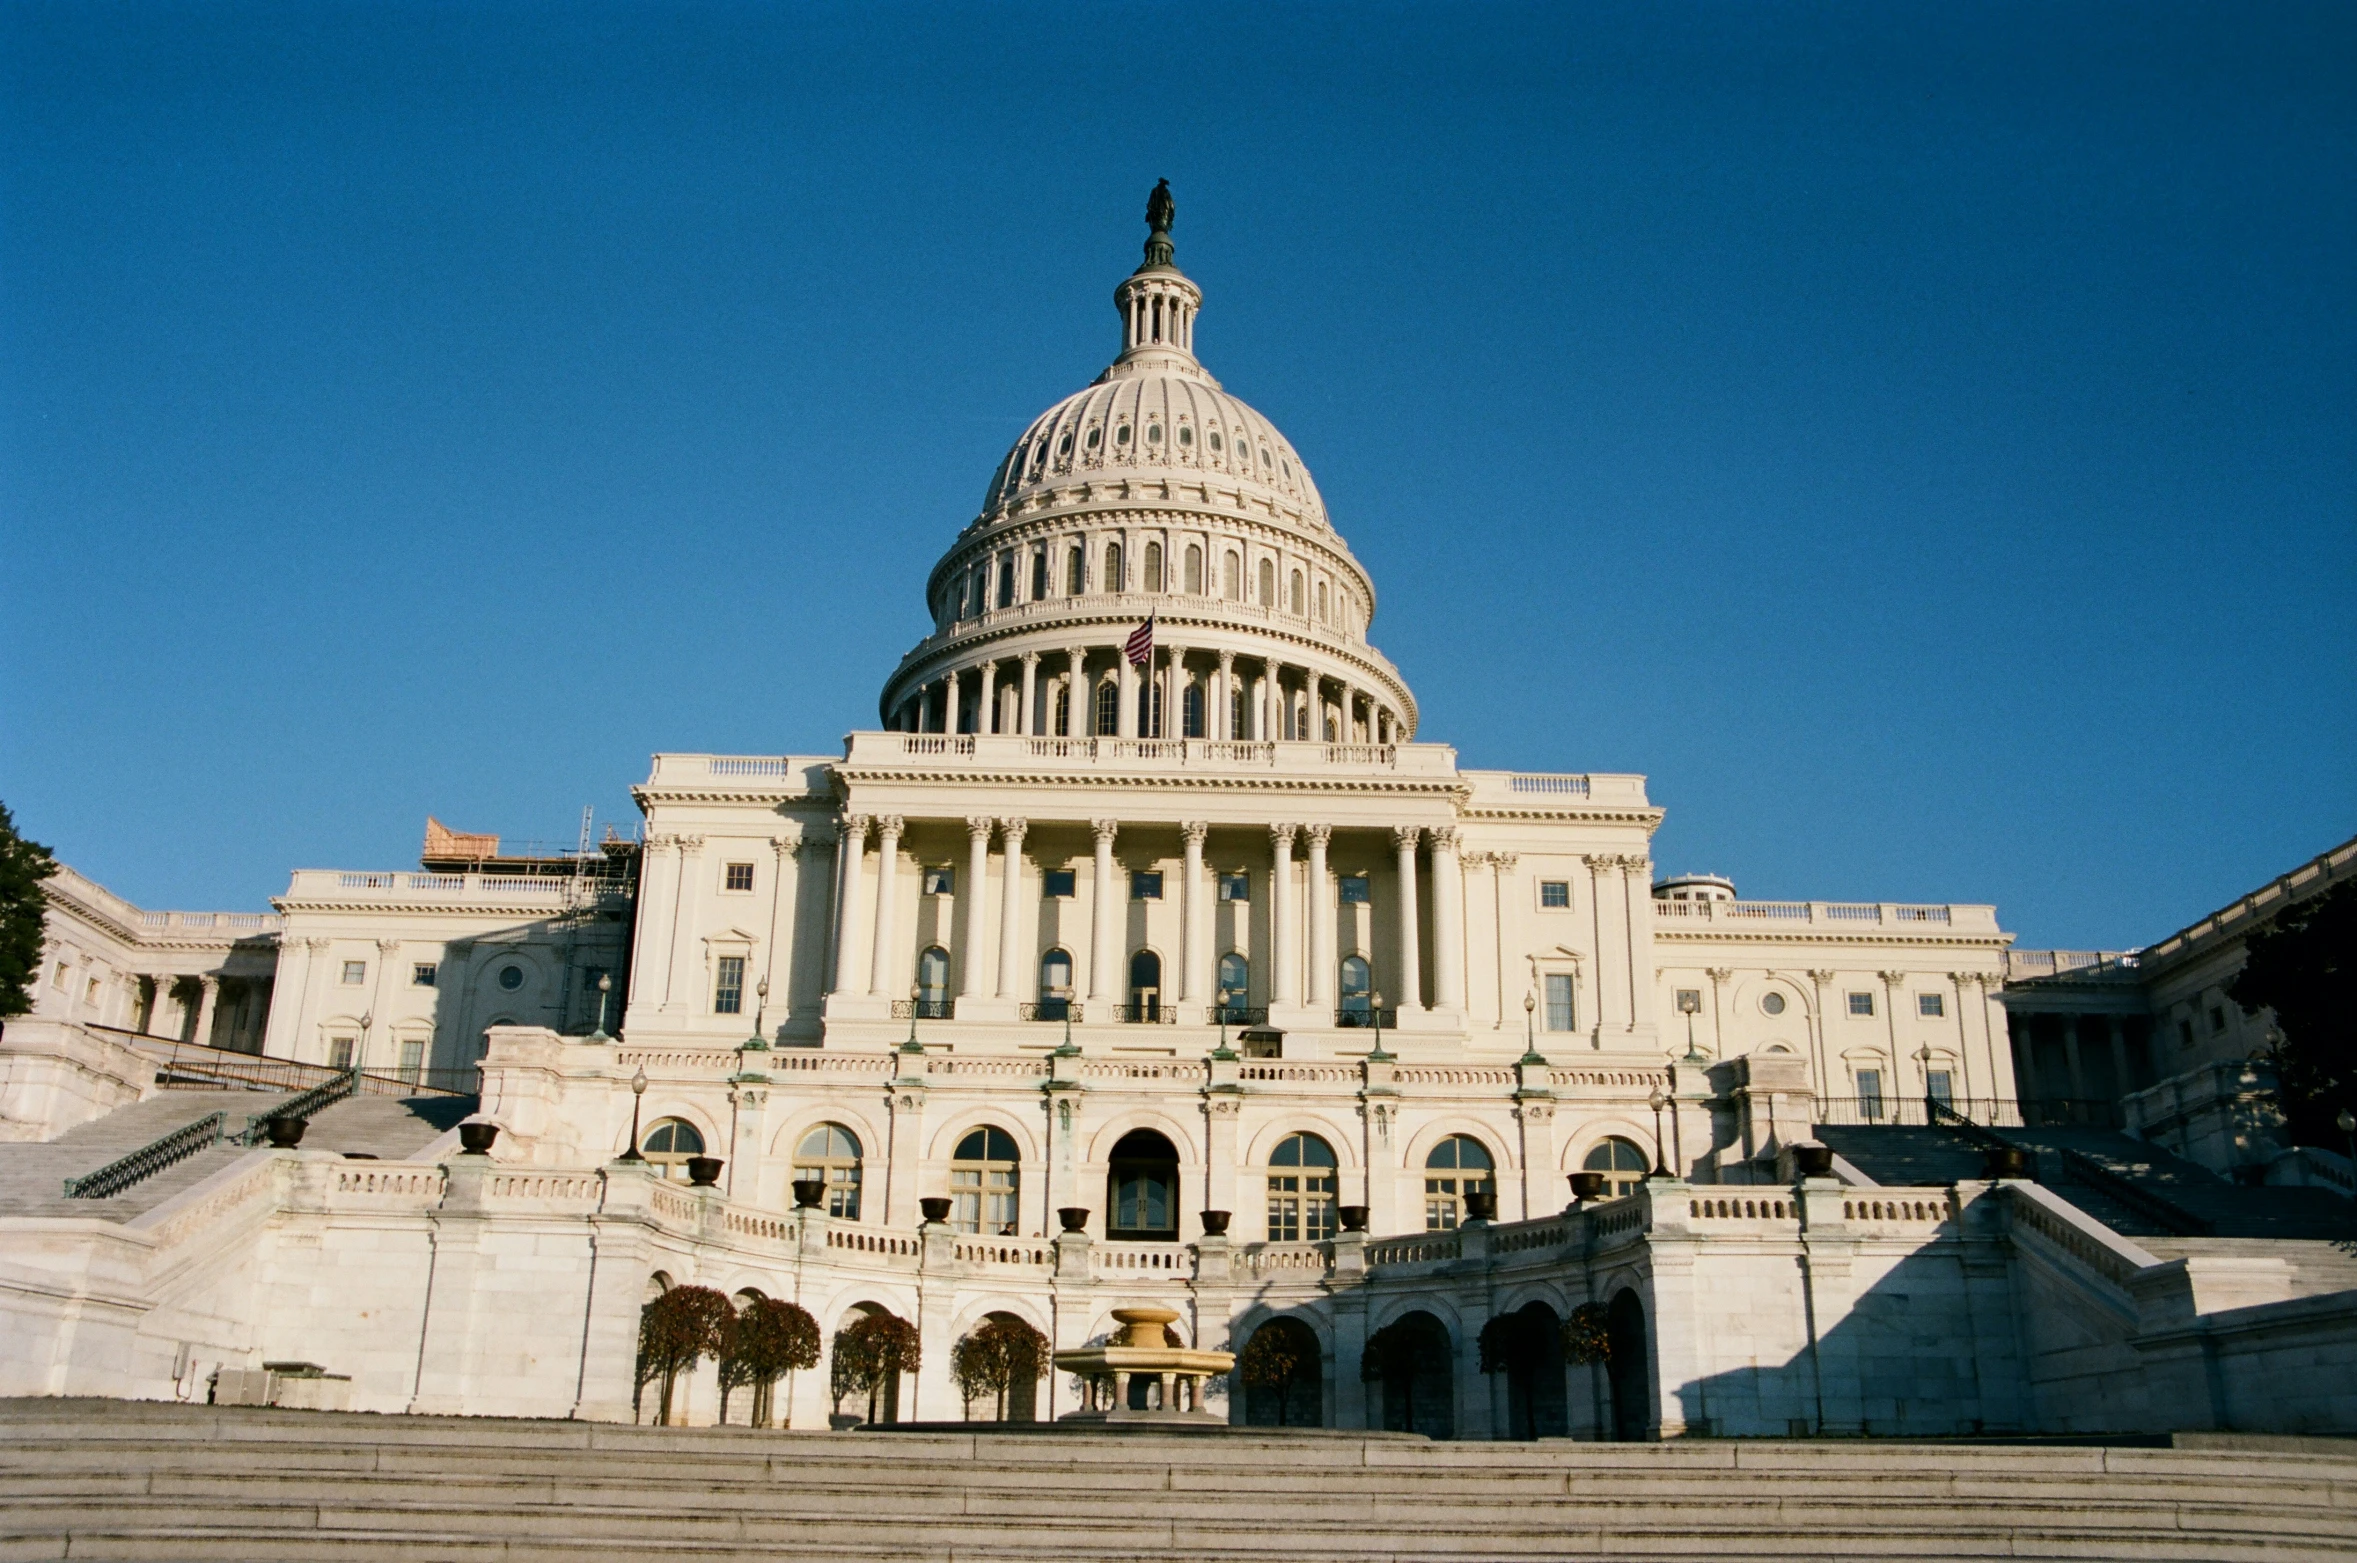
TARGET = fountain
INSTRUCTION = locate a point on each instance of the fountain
(1174, 1374)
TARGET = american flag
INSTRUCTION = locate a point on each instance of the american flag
(1140, 649)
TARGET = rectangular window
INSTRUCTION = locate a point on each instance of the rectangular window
(1057, 884)
(1039, 573)
(63, 970)
(1555, 892)
(728, 993)
(740, 877)
(941, 881)
(1870, 1094)
(1559, 1016)
(413, 1061)
(339, 1052)
(1937, 1086)
(1862, 1004)
(355, 973)
(2185, 1033)
(1354, 890)
(1931, 1006)
(1145, 887)
(1006, 580)
(1235, 887)
(90, 993)
(2217, 1020)
(422, 975)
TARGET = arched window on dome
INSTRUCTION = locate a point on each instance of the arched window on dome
(1232, 582)
(1108, 708)
(1194, 567)
(1191, 710)
(1150, 710)
(1294, 598)
(1006, 580)
(1061, 723)
(1153, 567)
(1268, 583)
(1322, 602)
(1075, 572)
(1113, 581)
(1039, 574)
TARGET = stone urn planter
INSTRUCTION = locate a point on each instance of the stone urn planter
(1812, 1160)
(1481, 1205)
(1074, 1217)
(1354, 1217)
(285, 1133)
(844, 1421)
(936, 1209)
(474, 1138)
(2007, 1161)
(809, 1193)
(703, 1171)
(1588, 1187)
(1215, 1223)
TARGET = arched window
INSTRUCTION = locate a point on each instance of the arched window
(1039, 570)
(669, 1142)
(1621, 1162)
(1153, 567)
(1055, 985)
(1458, 1166)
(983, 1183)
(1356, 992)
(1301, 1190)
(1108, 708)
(1321, 602)
(1268, 583)
(1233, 579)
(1142, 1188)
(1150, 709)
(1194, 576)
(1061, 723)
(1075, 573)
(1191, 709)
(933, 983)
(1145, 986)
(1235, 980)
(1006, 580)
(830, 1154)
(1113, 581)
(1294, 599)
(1239, 711)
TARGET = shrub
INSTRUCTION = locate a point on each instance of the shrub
(870, 1353)
(676, 1331)
(1002, 1353)
(772, 1339)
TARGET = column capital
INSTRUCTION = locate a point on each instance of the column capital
(1444, 838)
(889, 827)
(1281, 835)
(1012, 829)
(211, 981)
(1405, 837)
(1194, 830)
(978, 828)
(852, 827)
(690, 845)
(1227, 662)
(1317, 835)
(388, 946)
(662, 841)
(1603, 864)
(1718, 973)
(312, 943)
(1640, 864)
(1031, 659)
(1503, 862)
(1821, 978)
(1892, 979)
(1104, 830)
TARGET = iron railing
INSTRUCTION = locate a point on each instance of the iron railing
(150, 1159)
(194, 1066)
(1155, 1014)
(2156, 1208)
(1051, 1009)
(303, 1106)
(1363, 1019)
(1240, 1014)
(1917, 1111)
(924, 1009)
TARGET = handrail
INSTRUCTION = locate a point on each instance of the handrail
(2156, 1207)
(150, 1159)
(1943, 1115)
(302, 1106)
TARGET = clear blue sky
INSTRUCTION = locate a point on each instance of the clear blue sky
(1919, 437)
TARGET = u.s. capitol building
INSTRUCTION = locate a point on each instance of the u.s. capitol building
(1139, 953)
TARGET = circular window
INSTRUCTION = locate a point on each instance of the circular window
(511, 977)
(1121, 435)
(1215, 441)
(1772, 1003)
(1186, 435)
(1094, 437)
(1064, 445)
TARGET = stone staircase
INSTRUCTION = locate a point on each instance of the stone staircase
(32, 1175)
(132, 1480)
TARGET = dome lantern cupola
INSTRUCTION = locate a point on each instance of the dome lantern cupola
(1158, 303)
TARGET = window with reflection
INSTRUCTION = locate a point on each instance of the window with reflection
(1458, 1166)
(1142, 1188)
(1622, 1163)
(1235, 977)
(1108, 709)
(984, 1180)
(933, 983)
(1055, 980)
(667, 1145)
(1301, 1190)
(1356, 992)
(830, 1155)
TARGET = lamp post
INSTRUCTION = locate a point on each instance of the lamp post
(1376, 1012)
(605, 986)
(1689, 1004)
(760, 1038)
(1931, 1111)
(1530, 1036)
(2346, 1122)
(1657, 1102)
(912, 1045)
(1223, 1052)
(360, 1058)
(638, 1091)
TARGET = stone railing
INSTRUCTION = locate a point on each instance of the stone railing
(1004, 751)
(1833, 915)
(2074, 1235)
(1172, 1071)
(1175, 1259)
(1269, 1073)
(1422, 1248)
(1717, 1208)
(1030, 1253)
(1274, 1258)
(1894, 1209)
(327, 884)
(867, 1240)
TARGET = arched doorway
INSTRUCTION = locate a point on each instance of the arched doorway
(1624, 1327)
(1141, 1189)
(1535, 1403)
(1284, 1376)
(1413, 1359)
(1145, 986)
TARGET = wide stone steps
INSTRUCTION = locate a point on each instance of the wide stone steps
(105, 1479)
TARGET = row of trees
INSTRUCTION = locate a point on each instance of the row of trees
(768, 1339)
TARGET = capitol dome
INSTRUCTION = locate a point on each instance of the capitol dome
(1152, 495)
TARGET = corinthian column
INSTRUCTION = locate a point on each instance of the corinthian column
(851, 834)
(1223, 692)
(1448, 922)
(986, 698)
(880, 959)
(1285, 962)
(1078, 718)
(970, 903)
(1321, 919)
(1411, 984)
(1010, 912)
(1030, 692)
(1105, 943)
(1193, 946)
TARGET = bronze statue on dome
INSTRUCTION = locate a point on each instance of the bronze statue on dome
(1160, 208)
